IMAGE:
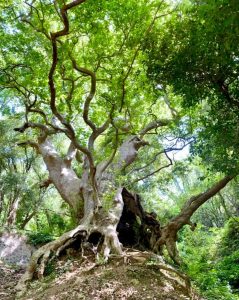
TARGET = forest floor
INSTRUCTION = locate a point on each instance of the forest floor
(136, 276)
(9, 277)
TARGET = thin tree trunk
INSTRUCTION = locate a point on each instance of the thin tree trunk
(1, 201)
(12, 215)
(223, 203)
(27, 219)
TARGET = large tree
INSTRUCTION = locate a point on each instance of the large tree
(77, 69)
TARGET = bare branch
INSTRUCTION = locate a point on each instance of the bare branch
(70, 131)
(54, 36)
(33, 125)
(156, 171)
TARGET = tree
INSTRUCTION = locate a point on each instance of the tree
(17, 187)
(79, 73)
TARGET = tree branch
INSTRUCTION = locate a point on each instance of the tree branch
(169, 232)
(29, 143)
(90, 95)
(196, 201)
(157, 170)
(147, 31)
(154, 125)
(54, 36)
(71, 153)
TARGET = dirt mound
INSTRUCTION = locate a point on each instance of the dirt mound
(138, 275)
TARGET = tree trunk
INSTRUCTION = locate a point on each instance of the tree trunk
(63, 177)
(27, 219)
(125, 222)
(136, 228)
(12, 214)
(1, 201)
(75, 191)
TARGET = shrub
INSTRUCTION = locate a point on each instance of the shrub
(39, 238)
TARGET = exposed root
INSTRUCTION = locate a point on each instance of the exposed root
(43, 263)
(173, 251)
(41, 256)
(111, 242)
(103, 224)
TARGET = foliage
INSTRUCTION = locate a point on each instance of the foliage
(228, 270)
(39, 238)
(228, 267)
(197, 54)
(230, 239)
(215, 273)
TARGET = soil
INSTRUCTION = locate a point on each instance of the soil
(9, 276)
(139, 275)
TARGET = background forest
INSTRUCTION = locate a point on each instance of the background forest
(166, 72)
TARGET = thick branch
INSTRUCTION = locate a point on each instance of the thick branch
(196, 201)
(61, 174)
(71, 153)
(169, 232)
(154, 125)
(29, 143)
(105, 164)
(45, 131)
(54, 37)
(70, 131)
(45, 183)
(129, 151)
(32, 125)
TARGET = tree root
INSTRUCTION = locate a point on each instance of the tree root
(41, 256)
(104, 224)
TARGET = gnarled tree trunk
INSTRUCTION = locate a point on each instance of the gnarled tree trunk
(80, 194)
